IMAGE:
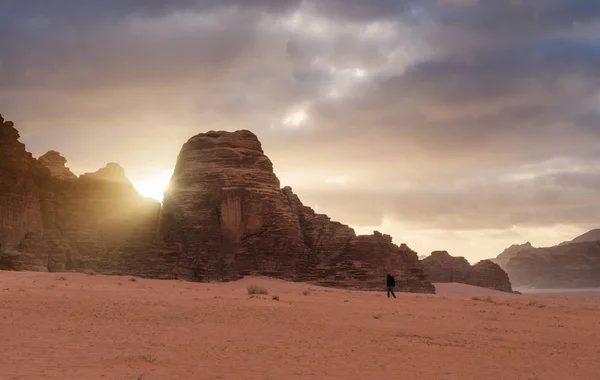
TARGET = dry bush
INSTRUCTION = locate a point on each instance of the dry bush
(61, 278)
(535, 303)
(275, 298)
(487, 299)
(377, 316)
(132, 279)
(306, 292)
(255, 289)
(146, 357)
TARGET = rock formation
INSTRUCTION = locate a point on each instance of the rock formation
(590, 236)
(223, 217)
(488, 274)
(510, 252)
(21, 197)
(226, 212)
(56, 164)
(441, 267)
(573, 265)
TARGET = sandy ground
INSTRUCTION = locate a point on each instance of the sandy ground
(76, 326)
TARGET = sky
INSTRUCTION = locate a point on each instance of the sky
(458, 125)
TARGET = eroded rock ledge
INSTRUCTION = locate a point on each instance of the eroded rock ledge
(224, 216)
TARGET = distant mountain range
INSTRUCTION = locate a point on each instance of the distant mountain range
(570, 264)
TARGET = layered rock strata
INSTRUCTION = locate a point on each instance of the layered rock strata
(223, 217)
(442, 267)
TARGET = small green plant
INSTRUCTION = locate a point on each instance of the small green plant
(255, 289)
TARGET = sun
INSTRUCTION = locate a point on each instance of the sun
(154, 187)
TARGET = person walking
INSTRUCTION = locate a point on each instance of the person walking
(391, 283)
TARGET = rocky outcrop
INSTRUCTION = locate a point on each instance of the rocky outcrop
(510, 252)
(226, 213)
(56, 164)
(488, 274)
(574, 265)
(590, 236)
(223, 217)
(21, 190)
(440, 266)
(50, 221)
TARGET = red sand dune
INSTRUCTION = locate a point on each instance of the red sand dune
(76, 326)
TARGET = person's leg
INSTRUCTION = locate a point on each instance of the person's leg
(388, 292)
(394, 294)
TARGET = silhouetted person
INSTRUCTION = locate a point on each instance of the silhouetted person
(391, 283)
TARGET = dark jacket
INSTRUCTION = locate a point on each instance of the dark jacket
(391, 281)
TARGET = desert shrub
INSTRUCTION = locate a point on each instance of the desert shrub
(255, 289)
(377, 316)
(487, 299)
(306, 292)
(275, 298)
(535, 303)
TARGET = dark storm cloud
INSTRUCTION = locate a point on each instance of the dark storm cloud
(438, 99)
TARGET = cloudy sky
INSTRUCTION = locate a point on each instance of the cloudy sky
(465, 125)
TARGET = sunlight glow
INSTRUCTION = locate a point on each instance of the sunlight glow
(295, 119)
(154, 187)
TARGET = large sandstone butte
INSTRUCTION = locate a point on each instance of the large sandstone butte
(223, 217)
(442, 267)
(574, 264)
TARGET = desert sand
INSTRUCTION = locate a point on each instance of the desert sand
(77, 326)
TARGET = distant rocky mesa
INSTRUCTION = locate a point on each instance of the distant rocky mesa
(442, 267)
(223, 217)
(572, 264)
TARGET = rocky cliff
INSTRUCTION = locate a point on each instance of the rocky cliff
(21, 196)
(590, 236)
(572, 265)
(510, 252)
(442, 267)
(223, 217)
(488, 274)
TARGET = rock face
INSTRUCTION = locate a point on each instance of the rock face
(226, 212)
(227, 215)
(590, 236)
(56, 164)
(441, 267)
(573, 265)
(510, 252)
(223, 217)
(488, 274)
(21, 197)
